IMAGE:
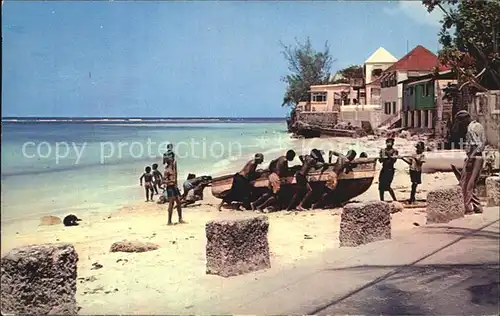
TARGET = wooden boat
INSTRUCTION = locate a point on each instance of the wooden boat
(349, 185)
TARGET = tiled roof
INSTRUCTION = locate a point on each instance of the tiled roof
(418, 59)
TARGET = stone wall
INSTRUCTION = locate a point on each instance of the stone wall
(485, 107)
(326, 119)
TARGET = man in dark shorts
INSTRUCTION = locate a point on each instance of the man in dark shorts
(388, 157)
(172, 192)
(342, 165)
(313, 161)
(241, 188)
(278, 169)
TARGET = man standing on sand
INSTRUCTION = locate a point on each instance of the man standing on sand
(475, 141)
(388, 157)
(278, 169)
(241, 188)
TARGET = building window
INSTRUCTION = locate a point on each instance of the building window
(319, 97)
(426, 90)
(387, 107)
(412, 90)
(393, 107)
(337, 101)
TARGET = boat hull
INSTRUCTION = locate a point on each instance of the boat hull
(349, 185)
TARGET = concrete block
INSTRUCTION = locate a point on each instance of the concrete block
(237, 246)
(445, 204)
(362, 223)
(39, 280)
(493, 190)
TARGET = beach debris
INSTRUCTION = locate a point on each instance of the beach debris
(445, 204)
(96, 266)
(71, 220)
(123, 261)
(396, 207)
(132, 246)
(237, 246)
(362, 223)
(493, 190)
(307, 236)
(39, 280)
(416, 224)
(50, 220)
(87, 279)
(405, 134)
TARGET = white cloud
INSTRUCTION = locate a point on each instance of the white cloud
(416, 11)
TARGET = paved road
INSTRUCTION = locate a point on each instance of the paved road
(436, 269)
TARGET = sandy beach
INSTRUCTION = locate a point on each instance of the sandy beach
(135, 283)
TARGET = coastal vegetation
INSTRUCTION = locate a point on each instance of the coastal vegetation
(307, 67)
(470, 37)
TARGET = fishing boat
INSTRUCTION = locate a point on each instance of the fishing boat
(349, 185)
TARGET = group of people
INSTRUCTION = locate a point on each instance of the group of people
(154, 180)
(388, 157)
(243, 191)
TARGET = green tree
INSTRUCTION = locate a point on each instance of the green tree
(352, 72)
(470, 36)
(307, 67)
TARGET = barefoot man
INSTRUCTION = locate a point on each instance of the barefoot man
(388, 157)
(241, 188)
(475, 141)
(279, 169)
(332, 180)
(309, 162)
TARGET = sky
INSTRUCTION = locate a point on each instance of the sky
(184, 59)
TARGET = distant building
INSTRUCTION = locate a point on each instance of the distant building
(423, 105)
(329, 98)
(374, 66)
(419, 61)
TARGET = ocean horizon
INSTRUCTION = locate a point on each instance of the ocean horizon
(136, 119)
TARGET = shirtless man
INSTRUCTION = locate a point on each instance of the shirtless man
(312, 161)
(279, 169)
(241, 189)
(342, 165)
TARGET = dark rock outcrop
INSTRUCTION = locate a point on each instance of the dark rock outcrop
(237, 246)
(39, 280)
(362, 223)
(445, 204)
(132, 246)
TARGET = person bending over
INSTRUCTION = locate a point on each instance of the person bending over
(342, 165)
(278, 169)
(241, 188)
(309, 162)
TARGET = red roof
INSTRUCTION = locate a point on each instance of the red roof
(418, 59)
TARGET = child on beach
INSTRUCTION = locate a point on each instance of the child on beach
(415, 161)
(148, 183)
(157, 177)
(172, 192)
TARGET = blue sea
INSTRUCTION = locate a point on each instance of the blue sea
(55, 166)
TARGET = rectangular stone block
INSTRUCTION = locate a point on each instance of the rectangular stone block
(237, 246)
(445, 204)
(493, 190)
(39, 280)
(362, 223)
